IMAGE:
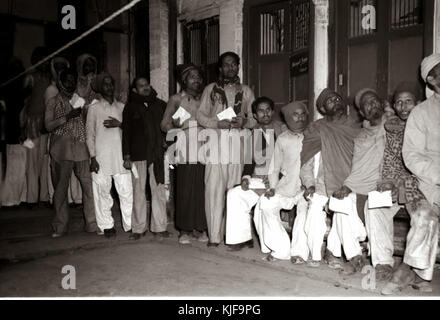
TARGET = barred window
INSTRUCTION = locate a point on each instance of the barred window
(272, 33)
(202, 45)
(406, 13)
(302, 23)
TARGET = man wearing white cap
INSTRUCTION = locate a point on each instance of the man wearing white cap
(421, 154)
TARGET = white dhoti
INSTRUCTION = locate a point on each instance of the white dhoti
(238, 220)
(422, 240)
(379, 224)
(347, 231)
(273, 237)
(309, 229)
(103, 200)
(299, 247)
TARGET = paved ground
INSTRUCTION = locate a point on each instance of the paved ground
(31, 266)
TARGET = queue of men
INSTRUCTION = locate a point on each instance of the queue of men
(95, 140)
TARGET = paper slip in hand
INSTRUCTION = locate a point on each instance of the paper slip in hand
(227, 114)
(344, 206)
(28, 144)
(378, 199)
(134, 171)
(318, 199)
(181, 114)
(256, 183)
(77, 101)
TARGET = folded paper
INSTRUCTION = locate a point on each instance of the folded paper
(181, 114)
(28, 144)
(344, 206)
(256, 183)
(227, 114)
(378, 199)
(77, 101)
(318, 199)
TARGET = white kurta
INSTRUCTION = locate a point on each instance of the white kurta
(106, 145)
(421, 154)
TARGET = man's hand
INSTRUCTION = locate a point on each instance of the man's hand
(112, 123)
(245, 183)
(266, 182)
(389, 186)
(224, 124)
(127, 164)
(342, 193)
(94, 165)
(309, 192)
(74, 113)
(176, 123)
(237, 122)
(269, 193)
(385, 186)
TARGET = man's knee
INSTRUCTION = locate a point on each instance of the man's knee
(426, 214)
(233, 192)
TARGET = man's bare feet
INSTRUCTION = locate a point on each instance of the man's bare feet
(403, 277)
(384, 272)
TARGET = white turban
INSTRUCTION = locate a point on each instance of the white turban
(428, 64)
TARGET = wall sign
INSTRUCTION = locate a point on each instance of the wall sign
(299, 64)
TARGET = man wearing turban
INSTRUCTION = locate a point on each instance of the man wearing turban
(284, 193)
(326, 162)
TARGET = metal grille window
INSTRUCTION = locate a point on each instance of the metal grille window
(272, 33)
(302, 21)
(356, 16)
(406, 13)
(202, 45)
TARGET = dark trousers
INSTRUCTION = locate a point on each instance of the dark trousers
(63, 172)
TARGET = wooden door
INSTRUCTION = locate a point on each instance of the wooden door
(382, 57)
(270, 46)
(201, 42)
(279, 51)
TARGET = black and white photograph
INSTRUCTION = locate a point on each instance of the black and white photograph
(219, 150)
